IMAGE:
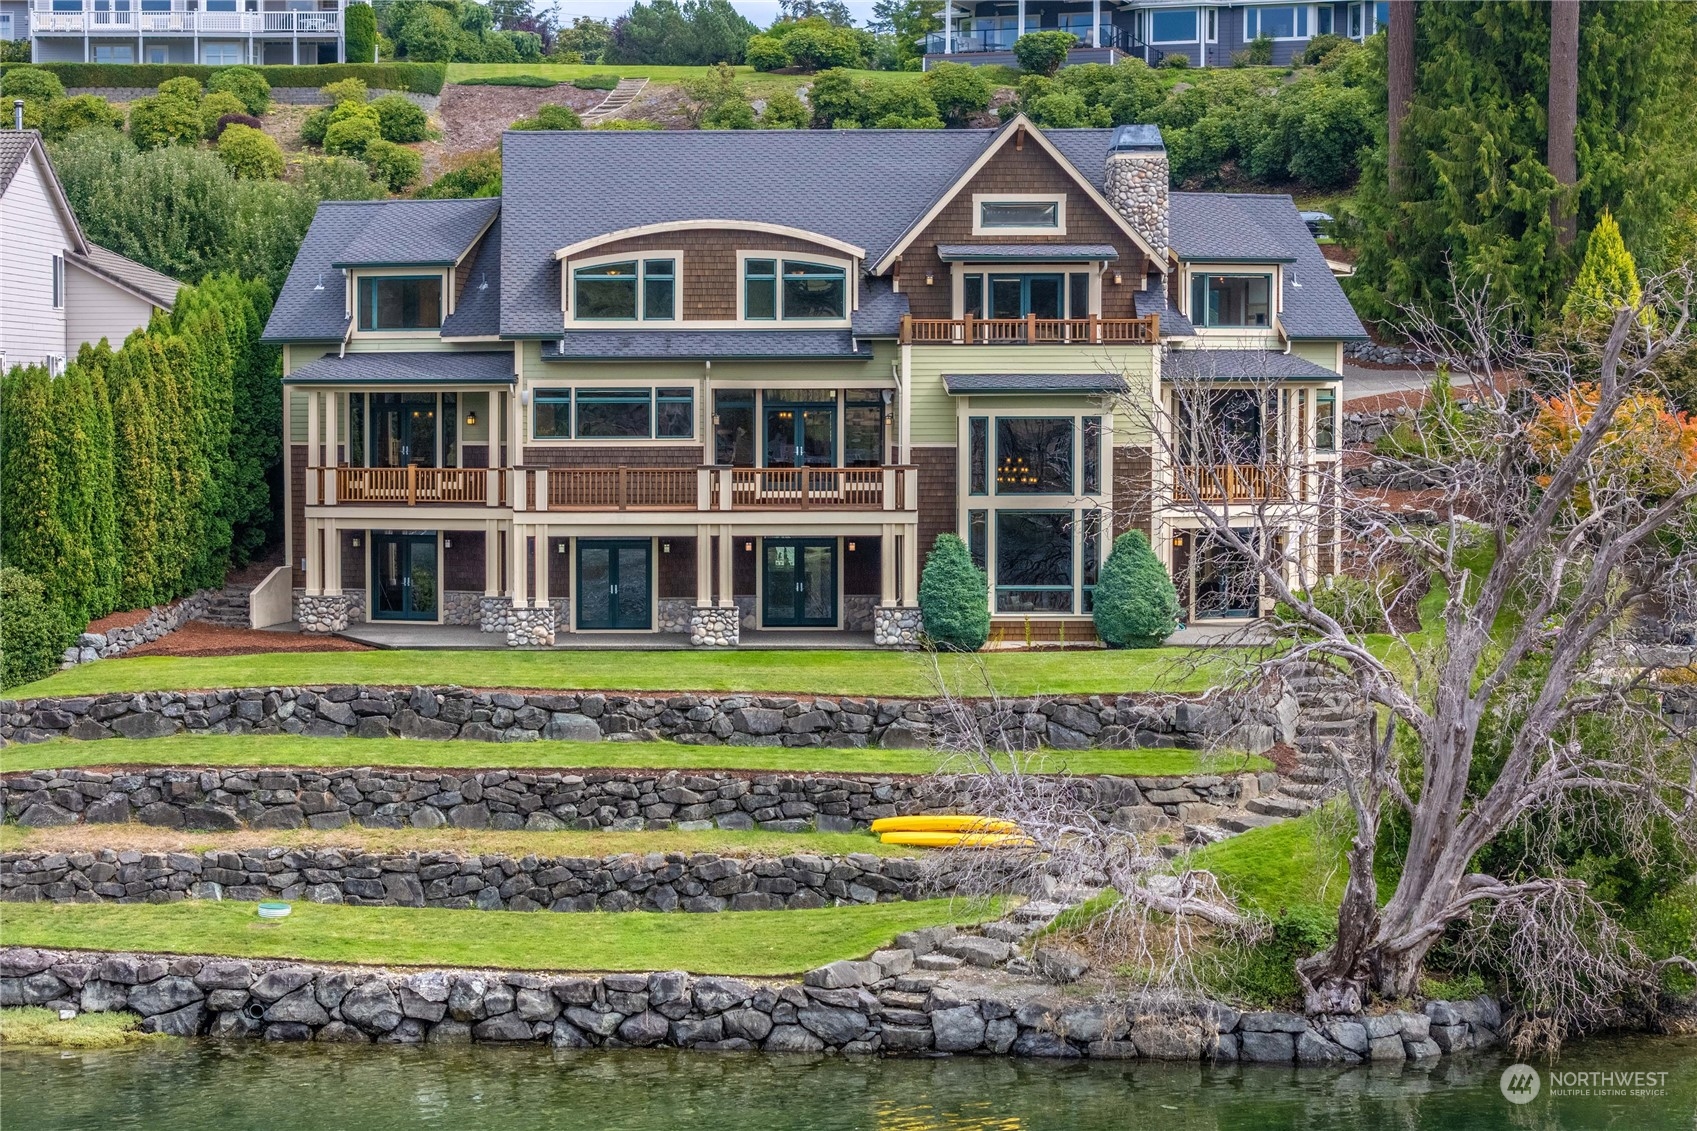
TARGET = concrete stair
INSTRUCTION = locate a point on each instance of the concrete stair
(617, 99)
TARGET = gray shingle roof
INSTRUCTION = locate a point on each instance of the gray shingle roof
(1190, 364)
(419, 233)
(1049, 252)
(477, 311)
(1216, 225)
(483, 367)
(1151, 300)
(881, 310)
(1075, 383)
(702, 345)
(160, 288)
(14, 148)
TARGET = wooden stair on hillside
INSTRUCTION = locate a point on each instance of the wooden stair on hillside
(617, 99)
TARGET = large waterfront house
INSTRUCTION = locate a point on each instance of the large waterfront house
(214, 32)
(724, 382)
(1207, 35)
(58, 289)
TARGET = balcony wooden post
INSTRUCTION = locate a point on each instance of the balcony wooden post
(910, 488)
(804, 479)
(887, 487)
(1030, 328)
(905, 334)
(332, 490)
(491, 486)
(412, 484)
(704, 477)
(624, 486)
(966, 329)
(727, 488)
(1096, 328)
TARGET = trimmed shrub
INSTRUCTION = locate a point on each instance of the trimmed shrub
(1259, 53)
(184, 87)
(215, 106)
(250, 153)
(766, 53)
(1043, 52)
(35, 631)
(551, 117)
(229, 120)
(1322, 45)
(64, 116)
(596, 82)
(1175, 61)
(164, 120)
(1136, 605)
(954, 597)
(426, 78)
(314, 125)
(246, 83)
(960, 90)
(784, 111)
(392, 164)
(731, 114)
(627, 124)
(361, 33)
(31, 82)
(536, 81)
(345, 90)
(477, 174)
(350, 136)
(815, 44)
(399, 119)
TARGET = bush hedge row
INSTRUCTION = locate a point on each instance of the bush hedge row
(421, 78)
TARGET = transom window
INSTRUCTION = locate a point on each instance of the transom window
(613, 414)
(794, 290)
(1231, 300)
(400, 302)
(1019, 215)
(1284, 21)
(623, 292)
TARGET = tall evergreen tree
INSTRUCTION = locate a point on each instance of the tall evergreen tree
(76, 586)
(105, 545)
(134, 456)
(31, 537)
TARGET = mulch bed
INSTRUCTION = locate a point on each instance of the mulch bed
(128, 618)
(199, 639)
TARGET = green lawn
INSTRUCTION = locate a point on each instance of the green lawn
(291, 750)
(1293, 863)
(33, 1025)
(759, 943)
(565, 72)
(867, 673)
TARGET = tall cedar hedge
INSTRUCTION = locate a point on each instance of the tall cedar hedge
(140, 473)
(362, 33)
(422, 78)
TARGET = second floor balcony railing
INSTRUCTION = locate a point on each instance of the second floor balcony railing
(406, 486)
(1002, 39)
(110, 18)
(1031, 330)
(1239, 483)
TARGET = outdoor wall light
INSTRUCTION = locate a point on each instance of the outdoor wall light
(748, 547)
(447, 543)
(665, 547)
(471, 420)
(560, 547)
(1118, 278)
(930, 279)
(356, 541)
(851, 547)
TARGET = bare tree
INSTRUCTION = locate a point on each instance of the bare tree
(1567, 547)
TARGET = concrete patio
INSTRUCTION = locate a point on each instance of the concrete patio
(450, 637)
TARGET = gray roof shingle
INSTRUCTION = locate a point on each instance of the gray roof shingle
(1075, 383)
(160, 288)
(477, 311)
(419, 233)
(482, 367)
(702, 345)
(881, 310)
(1191, 364)
(1051, 252)
(1151, 300)
(1214, 225)
(14, 148)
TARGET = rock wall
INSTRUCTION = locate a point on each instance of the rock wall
(656, 881)
(225, 798)
(161, 620)
(884, 1004)
(1065, 723)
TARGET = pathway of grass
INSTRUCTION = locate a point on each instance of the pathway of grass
(293, 750)
(758, 943)
(882, 674)
(33, 1025)
(145, 838)
(1291, 864)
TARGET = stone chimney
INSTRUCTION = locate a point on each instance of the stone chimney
(1136, 184)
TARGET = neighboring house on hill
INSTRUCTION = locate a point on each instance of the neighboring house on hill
(1208, 35)
(749, 395)
(218, 33)
(57, 289)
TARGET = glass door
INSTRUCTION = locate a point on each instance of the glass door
(613, 586)
(403, 429)
(1015, 296)
(1224, 581)
(801, 435)
(800, 582)
(403, 569)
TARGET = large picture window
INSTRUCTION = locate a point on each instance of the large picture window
(1231, 300)
(1178, 26)
(617, 292)
(1034, 455)
(1034, 561)
(614, 414)
(405, 302)
(1283, 21)
(674, 413)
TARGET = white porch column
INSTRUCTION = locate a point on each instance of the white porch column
(910, 567)
(948, 27)
(703, 566)
(887, 566)
(491, 558)
(515, 430)
(332, 429)
(313, 453)
(332, 560)
(1021, 17)
(314, 557)
(727, 587)
(1095, 23)
(541, 567)
(518, 569)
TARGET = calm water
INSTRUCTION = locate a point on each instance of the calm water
(206, 1087)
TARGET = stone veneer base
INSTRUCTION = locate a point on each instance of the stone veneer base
(713, 627)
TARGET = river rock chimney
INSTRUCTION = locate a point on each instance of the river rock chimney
(1136, 185)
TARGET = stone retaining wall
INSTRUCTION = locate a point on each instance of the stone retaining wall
(1066, 723)
(670, 881)
(880, 1005)
(161, 620)
(225, 798)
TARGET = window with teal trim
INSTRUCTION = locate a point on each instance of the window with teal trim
(674, 413)
(615, 414)
(400, 302)
(760, 289)
(1034, 561)
(551, 414)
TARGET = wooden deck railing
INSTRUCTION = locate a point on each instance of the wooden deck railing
(808, 488)
(621, 488)
(1235, 483)
(407, 486)
(1031, 330)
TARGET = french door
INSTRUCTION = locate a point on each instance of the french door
(800, 582)
(1015, 296)
(403, 571)
(613, 583)
(801, 435)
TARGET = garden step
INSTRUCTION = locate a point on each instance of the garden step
(617, 99)
(1311, 775)
(1243, 822)
(1279, 806)
(1341, 727)
(1303, 791)
(1205, 834)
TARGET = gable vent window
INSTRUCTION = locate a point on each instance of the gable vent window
(621, 292)
(1019, 214)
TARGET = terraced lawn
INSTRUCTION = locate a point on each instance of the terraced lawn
(597, 843)
(292, 750)
(756, 943)
(882, 674)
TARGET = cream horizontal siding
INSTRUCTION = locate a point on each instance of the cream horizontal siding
(934, 410)
(95, 309)
(32, 232)
(1328, 355)
(876, 372)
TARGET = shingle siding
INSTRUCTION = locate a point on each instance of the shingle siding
(937, 495)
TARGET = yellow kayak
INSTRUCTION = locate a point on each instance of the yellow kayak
(958, 840)
(943, 823)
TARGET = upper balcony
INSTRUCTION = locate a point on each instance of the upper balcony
(109, 17)
(1031, 330)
